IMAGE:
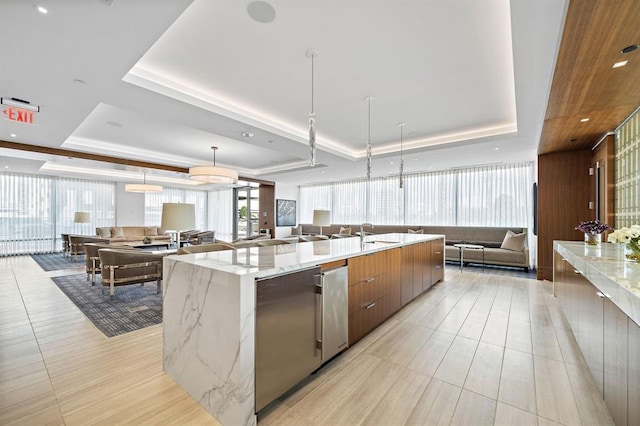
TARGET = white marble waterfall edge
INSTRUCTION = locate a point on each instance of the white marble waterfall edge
(213, 364)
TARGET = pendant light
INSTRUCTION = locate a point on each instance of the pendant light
(213, 174)
(369, 99)
(312, 116)
(401, 125)
(142, 187)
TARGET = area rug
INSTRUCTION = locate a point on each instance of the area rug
(134, 306)
(57, 261)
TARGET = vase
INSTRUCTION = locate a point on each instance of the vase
(632, 251)
(592, 239)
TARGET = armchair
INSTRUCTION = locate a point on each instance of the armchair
(124, 267)
(76, 243)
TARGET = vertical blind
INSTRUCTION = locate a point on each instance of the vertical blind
(221, 214)
(35, 210)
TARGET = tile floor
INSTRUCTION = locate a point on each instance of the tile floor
(477, 349)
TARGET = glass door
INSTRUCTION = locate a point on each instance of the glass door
(246, 207)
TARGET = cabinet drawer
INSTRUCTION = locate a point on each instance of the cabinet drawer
(367, 318)
(365, 267)
(437, 272)
(363, 293)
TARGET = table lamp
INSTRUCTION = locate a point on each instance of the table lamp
(321, 218)
(178, 217)
(81, 217)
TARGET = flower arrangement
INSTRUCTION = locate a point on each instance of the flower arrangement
(592, 230)
(592, 227)
(629, 236)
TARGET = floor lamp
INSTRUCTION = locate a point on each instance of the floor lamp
(81, 217)
(321, 218)
(178, 217)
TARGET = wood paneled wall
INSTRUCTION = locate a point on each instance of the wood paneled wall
(267, 208)
(565, 189)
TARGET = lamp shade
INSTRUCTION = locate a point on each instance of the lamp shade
(178, 216)
(81, 217)
(142, 187)
(213, 174)
(321, 217)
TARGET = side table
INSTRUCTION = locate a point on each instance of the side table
(464, 247)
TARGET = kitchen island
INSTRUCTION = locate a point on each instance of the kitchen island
(209, 310)
(599, 293)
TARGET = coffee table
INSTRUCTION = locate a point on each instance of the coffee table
(153, 244)
(464, 247)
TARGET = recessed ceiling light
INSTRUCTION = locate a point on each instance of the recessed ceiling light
(79, 81)
(269, 141)
(496, 149)
(619, 64)
(247, 135)
(13, 135)
(630, 49)
(391, 162)
(261, 11)
(415, 159)
(41, 9)
(584, 120)
(6, 167)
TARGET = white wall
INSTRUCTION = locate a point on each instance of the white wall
(129, 207)
(287, 191)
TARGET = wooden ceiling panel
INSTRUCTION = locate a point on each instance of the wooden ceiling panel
(584, 82)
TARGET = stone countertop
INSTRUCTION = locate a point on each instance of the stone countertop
(273, 260)
(607, 269)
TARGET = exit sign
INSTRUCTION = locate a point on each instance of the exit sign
(18, 114)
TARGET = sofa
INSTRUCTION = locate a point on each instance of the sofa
(125, 234)
(492, 238)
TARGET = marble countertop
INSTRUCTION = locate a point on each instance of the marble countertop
(273, 260)
(607, 269)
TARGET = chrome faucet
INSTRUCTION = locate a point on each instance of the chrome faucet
(362, 231)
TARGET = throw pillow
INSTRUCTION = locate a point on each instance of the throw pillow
(117, 232)
(151, 231)
(513, 241)
(104, 232)
(345, 231)
(417, 231)
(297, 230)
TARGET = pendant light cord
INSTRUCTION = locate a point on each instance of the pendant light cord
(312, 57)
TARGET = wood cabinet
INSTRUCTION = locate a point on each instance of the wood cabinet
(437, 261)
(382, 282)
(616, 362)
(608, 339)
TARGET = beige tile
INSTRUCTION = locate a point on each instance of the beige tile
(519, 336)
(473, 326)
(517, 386)
(554, 395)
(569, 347)
(401, 346)
(495, 330)
(430, 355)
(453, 322)
(398, 404)
(455, 364)
(544, 342)
(591, 407)
(542, 421)
(484, 374)
(436, 405)
(507, 415)
(474, 409)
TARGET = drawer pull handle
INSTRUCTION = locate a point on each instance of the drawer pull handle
(371, 305)
(368, 280)
(438, 252)
(438, 267)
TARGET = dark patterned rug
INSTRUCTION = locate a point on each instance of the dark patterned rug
(133, 308)
(57, 261)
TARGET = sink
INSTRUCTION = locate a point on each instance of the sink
(382, 242)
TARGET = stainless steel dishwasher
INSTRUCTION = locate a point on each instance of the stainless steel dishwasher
(301, 322)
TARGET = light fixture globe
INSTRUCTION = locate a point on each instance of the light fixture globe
(213, 174)
(142, 187)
